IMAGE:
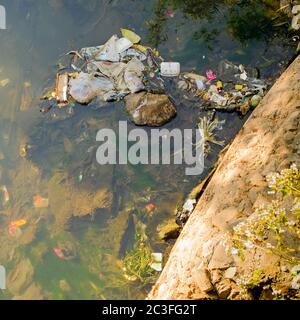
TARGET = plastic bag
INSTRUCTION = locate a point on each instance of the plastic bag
(133, 82)
(86, 87)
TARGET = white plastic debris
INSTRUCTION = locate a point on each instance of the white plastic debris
(109, 52)
(296, 22)
(136, 66)
(189, 205)
(241, 68)
(200, 84)
(109, 69)
(85, 87)
(170, 69)
(244, 76)
(157, 264)
(125, 77)
(133, 82)
(218, 99)
(91, 53)
(296, 9)
(2, 278)
(133, 75)
(133, 53)
(123, 44)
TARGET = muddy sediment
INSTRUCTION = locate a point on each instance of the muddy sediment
(199, 266)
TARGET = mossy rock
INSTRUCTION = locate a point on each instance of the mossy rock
(168, 230)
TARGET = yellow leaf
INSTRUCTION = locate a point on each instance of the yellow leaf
(130, 35)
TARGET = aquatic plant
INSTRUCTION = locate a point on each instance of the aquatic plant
(208, 129)
(156, 25)
(274, 228)
(137, 262)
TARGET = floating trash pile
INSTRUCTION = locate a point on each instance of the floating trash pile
(112, 71)
(122, 67)
(233, 88)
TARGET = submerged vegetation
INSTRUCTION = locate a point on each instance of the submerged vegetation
(208, 128)
(137, 264)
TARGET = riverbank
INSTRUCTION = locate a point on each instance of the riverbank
(199, 266)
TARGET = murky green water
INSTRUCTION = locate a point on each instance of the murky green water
(94, 211)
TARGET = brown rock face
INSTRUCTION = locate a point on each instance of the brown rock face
(223, 218)
(150, 109)
(223, 288)
(220, 259)
(202, 280)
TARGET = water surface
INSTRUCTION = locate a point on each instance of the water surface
(62, 166)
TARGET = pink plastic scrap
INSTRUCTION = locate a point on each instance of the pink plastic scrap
(210, 75)
(59, 253)
(170, 13)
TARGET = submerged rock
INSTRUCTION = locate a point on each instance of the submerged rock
(33, 292)
(168, 230)
(80, 202)
(150, 109)
(20, 278)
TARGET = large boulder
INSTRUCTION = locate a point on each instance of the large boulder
(150, 109)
